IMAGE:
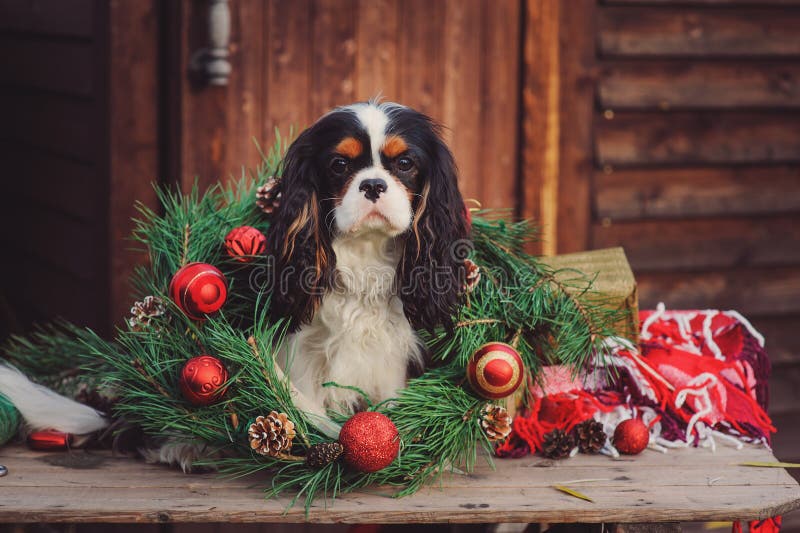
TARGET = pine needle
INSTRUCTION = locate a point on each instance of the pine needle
(572, 492)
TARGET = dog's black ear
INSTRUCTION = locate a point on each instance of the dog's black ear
(431, 271)
(298, 239)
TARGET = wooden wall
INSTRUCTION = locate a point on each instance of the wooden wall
(52, 205)
(293, 61)
(77, 145)
(697, 165)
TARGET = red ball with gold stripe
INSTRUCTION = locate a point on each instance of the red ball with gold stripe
(245, 243)
(199, 289)
(495, 370)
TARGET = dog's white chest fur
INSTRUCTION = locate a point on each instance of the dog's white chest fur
(359, 336)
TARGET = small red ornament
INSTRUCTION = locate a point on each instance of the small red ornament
(370, 441)
(495, 370)
(244, 243)
(202, 379)
(631, 436)
(199, 289)
(49, 440)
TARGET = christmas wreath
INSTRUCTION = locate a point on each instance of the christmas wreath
(195, 359)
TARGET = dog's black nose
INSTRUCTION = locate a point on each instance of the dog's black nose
(372, 188)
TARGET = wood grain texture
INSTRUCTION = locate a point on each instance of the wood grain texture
(218, 124)
(576, 104)
(497, 173)
(752, 291)
(334, 55)
(643, 139)
(696, 32)
(286, 78)
(697, 244)
(130, 138)
(540, 131)
(651, 487)
(63, 67)
(420, 56)
(463, 37)
(697, 84)
(659, 193)
(376, 41)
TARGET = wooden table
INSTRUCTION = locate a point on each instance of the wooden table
(682, 485)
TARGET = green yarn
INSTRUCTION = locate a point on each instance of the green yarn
(9, 420)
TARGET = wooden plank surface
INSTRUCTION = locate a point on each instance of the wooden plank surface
(687, 138)
(681, 84)
(682, 485)
(659, 193)
(693, 32)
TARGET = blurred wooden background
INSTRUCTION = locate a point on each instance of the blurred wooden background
(671, 128)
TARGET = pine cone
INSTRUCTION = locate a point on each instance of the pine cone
(590, 436)
(472, 275)
(557, 444)
(145, 311)
(271, 434)
(323, 454)
(496, 422)
(267, 197)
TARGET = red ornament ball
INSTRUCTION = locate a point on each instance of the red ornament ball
(49, 440)
(244, 243)
(199, 289)
(631, 436)
(495, 370)
(202, 380)
(370, 441)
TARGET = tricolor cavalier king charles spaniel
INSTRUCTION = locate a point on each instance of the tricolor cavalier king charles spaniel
(365, 243)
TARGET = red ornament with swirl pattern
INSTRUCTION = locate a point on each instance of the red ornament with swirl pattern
(245, 243)
(202, 380)
(199, 289)
(370, 441)
(495, 370)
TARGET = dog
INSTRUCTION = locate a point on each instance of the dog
(365, 245)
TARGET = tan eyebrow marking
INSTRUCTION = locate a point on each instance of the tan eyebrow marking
(394, 146)
(349, 147)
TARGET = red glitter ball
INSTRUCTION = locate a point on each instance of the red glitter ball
(199, 289)
(370, 440)
(495, 370)
(631, 436)
(202, 379)
(244, 243)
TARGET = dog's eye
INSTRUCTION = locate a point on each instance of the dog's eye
(405, 164)
(339, 165)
